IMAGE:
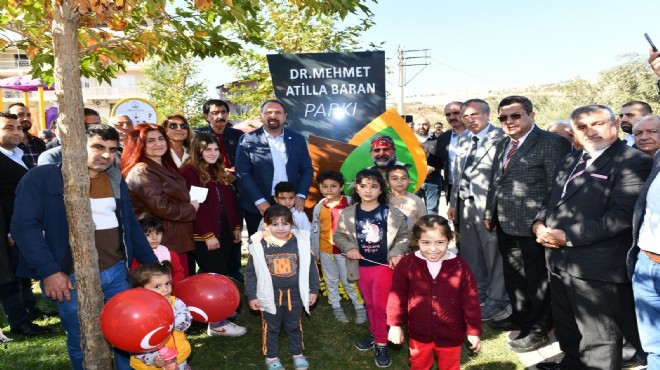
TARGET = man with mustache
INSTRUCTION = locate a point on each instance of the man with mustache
(383, 153)
(647, 134)
(39, 226)
(585, 226)
(448, 144)
(266, 157)
(216, 113)
(430, 190)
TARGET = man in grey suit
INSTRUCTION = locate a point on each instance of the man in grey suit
(523, 173)
(473, 171)
(585, 227)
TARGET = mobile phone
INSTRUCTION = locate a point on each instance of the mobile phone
(655, 50)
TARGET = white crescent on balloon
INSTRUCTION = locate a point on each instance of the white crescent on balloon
(200, 312)
(144, 344)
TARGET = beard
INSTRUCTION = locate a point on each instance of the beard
(273, 125)
(384, 162)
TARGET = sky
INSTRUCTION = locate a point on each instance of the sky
(479, 45)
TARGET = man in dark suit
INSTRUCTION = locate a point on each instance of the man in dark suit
(643, 267)
(266, 157)
(430, 190)
(473, 171)
(19, 301)
(585, 227)
(448, 144)
(523, 172)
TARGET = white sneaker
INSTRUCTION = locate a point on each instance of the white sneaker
(228, 329)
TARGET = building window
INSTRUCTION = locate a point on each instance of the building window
(21, 60)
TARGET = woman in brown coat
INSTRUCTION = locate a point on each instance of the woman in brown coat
(157, 189)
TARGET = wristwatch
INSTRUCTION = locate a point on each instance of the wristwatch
(568, 243)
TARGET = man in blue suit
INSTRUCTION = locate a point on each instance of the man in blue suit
(266, 157)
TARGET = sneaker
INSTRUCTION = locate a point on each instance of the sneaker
(491, 310)
(228, 329)
(340, 315)
(360, 315)
(274, 364)
(383, 358)
(366, 343)
(300, 362)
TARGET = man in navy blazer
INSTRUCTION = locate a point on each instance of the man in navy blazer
(585, 226)
(266, 157)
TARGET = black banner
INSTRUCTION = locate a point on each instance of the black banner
(331, 95)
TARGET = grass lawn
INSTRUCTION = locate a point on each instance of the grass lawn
(329, 345)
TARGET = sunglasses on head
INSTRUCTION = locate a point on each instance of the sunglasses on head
(514, 117)
(174, 126)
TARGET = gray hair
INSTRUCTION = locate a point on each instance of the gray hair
(591, 109)
(484, 106)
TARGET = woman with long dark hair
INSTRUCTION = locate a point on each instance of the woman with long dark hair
(157, 188)
(218, 224)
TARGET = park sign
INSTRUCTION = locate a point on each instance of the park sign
(331, 95)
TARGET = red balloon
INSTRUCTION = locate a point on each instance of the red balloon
(210, 297)
(137, 320)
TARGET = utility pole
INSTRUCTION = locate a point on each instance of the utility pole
(404, 57)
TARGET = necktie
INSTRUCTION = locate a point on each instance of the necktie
(464, 190)
(579, 169)
(512, 151)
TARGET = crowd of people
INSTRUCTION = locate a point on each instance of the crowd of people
(554, 229)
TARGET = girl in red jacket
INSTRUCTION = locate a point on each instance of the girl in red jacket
(434, 293)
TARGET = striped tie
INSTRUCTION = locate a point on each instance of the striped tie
(512, 151)
(580, 167)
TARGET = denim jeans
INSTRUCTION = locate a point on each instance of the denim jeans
(646, 288)
(431, 195)
(113, 280)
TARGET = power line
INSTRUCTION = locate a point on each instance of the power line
(404, 57)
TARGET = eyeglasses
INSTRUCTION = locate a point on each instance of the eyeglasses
(174, 126)
(457, 113)
(123, 124)
(514, 117)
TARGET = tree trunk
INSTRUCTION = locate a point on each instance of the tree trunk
(68, 89)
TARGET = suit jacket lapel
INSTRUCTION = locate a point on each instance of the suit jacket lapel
(526, 146)
(529, 143)
(563, 175)
(288, 145)
(600, 162)
(17, 167)
(264, 141)
(489, 141)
